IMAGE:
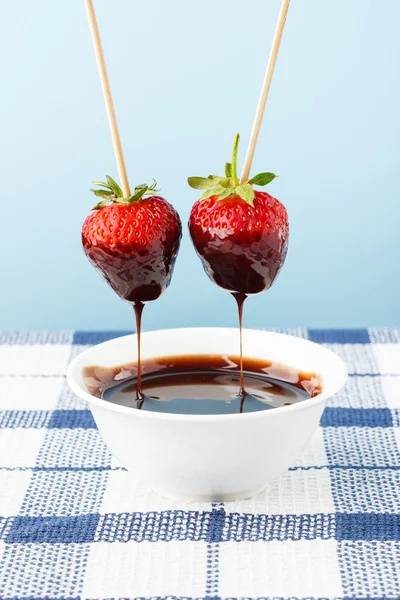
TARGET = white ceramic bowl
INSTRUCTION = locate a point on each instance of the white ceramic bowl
(216, 457)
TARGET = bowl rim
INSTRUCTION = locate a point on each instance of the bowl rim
(82, 393)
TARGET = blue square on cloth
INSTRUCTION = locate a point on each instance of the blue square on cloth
(71, 419)
(53, 530)
(356, 417)
(368, 526)
(339, 336)
(216, 526)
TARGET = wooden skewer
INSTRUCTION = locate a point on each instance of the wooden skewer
(265, 91)
(112, 119)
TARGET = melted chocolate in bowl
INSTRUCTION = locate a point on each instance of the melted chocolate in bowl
(202, 385)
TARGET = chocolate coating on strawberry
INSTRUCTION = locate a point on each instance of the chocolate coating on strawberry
(242, 247)
(240, 234)
(133, 243)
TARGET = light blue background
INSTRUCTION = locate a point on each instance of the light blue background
(186, 76)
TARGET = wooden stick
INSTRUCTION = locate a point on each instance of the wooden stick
(265, 91)
(112, 119)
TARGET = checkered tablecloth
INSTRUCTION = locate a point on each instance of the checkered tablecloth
(74, 524)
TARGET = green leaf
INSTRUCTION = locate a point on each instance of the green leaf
(103, 193)
(226, 183)
(217, 178)
(114, 186)
(225, 194)
(145, 189)
(214, 191)
(101, 184)
(153, 185)
(200, 183)
(262, 178)
(228, 169)
(141, 186)
(246, 192)
(138, 193)
(101, 204)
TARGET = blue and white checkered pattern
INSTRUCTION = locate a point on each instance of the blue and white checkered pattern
(74, 524)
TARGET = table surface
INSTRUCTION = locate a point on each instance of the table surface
(73, 524)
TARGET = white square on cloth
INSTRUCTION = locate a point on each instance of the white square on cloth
(388, 358)
(391, 390)
(20, 447)
(125, 494)
(295, 493)
(300, 569)
(36, 359)
(131, 570)
(13, 487)
(30, 393)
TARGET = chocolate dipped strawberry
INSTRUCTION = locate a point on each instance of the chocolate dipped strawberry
(240, 234)
(132, 242)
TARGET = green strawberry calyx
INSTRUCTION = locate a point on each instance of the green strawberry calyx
(111, 192)
(223, 187)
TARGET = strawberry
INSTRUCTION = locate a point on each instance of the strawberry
(240, 234)
(132, 242)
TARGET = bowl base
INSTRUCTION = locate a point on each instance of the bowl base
(212, 497)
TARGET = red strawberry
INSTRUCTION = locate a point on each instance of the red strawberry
(241, 235)
(132, 242)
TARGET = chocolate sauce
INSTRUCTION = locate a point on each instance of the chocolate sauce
(138, 309)
(202, 384)
(240, 298)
